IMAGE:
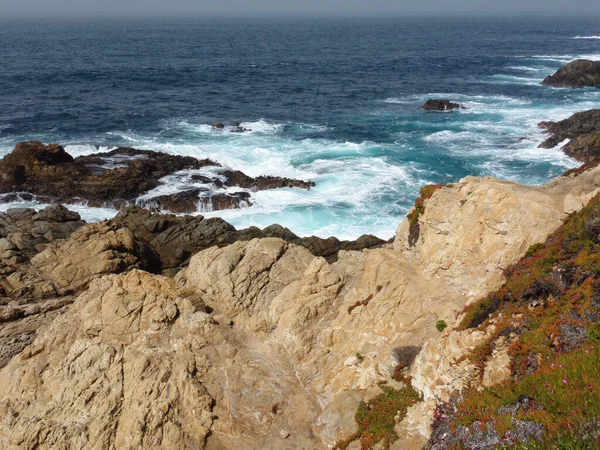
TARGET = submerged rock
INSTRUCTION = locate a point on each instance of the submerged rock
(440, 105)
(577, 74)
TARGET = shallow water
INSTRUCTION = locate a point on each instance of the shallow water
(332, 101)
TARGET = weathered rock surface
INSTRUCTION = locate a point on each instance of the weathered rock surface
(175, 239)
(260, 343)
(107, 375)
(577, 74)
(25, 232)
(440, 105)
(39, 286)
(92, 251)
(582, 130)
(193, 200)
(243, 279)
(119, 177)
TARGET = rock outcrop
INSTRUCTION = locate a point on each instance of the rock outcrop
(107, 373)
(581, 130)
(124, 176)
(259, 342)
(440, 105)
(175, 239)
(577, 74)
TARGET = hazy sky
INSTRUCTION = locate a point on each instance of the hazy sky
(130, 8)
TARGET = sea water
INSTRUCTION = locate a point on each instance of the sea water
(334, 101)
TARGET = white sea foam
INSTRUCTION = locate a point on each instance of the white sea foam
(586, 37)
(525, 68)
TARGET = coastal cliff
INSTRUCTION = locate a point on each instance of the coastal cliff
(157, 331)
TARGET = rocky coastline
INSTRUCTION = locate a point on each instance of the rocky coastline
(156, 330)
(126, 176)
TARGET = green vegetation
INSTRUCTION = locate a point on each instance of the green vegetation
(549, 313)
(441, 325)
(376, 419)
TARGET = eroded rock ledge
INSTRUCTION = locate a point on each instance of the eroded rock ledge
(125, 176)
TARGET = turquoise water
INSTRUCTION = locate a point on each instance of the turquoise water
(332, 101)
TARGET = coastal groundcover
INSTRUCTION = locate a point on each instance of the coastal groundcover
(548, 312)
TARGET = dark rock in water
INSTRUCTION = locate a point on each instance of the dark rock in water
(117, 178)
(238, 129)
(262, 183)
(180, 202)
(440, 105)
(28, 159)
(221, 201)
(219, 125)
(207, 180)
(107, 179)
(194, 200)
(577, 74)
(583, 131)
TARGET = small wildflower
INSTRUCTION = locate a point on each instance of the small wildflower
(587, 351)
(552, 365)
(564, 381)
(589, 386)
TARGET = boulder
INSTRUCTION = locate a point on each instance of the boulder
(242, 279)
(577, 74)
(440, 105)
(91, 251)
(582, 130)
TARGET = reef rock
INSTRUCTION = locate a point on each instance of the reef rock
(577, 74)
(119, 177)
(440, 105)
(581, 130)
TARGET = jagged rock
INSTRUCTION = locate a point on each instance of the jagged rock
(577, 74)
(29, 231)
(193, 200)
(174, 239)
(91, 251)
(237, 178)
(111, 178)
(105, 375)
(490, 221)
(583, 132)
(242, 279)
(119, 177)
(440, 105)
(293, 342)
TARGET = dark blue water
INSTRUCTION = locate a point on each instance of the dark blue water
(333, 100)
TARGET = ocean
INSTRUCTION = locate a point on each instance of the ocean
(335, 101)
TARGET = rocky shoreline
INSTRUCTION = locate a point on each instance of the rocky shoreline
(126, 176)
(154, 330)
